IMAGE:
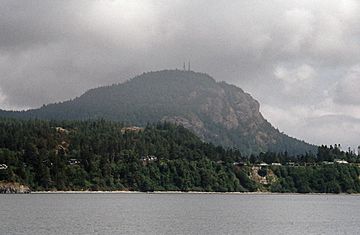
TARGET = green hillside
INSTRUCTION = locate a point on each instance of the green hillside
(103, 155)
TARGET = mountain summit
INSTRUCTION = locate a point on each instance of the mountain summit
(216, 111)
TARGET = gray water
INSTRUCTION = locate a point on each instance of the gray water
(179, 214)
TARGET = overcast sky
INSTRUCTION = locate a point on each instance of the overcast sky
(299, 59)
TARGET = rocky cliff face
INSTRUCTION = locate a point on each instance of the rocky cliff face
(231, 110)
(216, 111)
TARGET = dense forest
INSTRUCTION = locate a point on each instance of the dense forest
(105, 155)
(335, 178)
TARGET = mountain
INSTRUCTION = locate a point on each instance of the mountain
(216, 111)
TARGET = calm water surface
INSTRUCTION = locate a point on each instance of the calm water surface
(179, 214)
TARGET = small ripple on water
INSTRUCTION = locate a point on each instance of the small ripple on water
(179, 214)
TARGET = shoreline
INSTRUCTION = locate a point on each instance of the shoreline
(190, 192)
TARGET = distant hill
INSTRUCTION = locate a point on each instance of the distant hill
(216, 111)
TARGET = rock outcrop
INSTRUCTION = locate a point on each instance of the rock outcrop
(11, 187)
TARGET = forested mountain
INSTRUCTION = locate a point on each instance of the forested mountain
(96, 155)
(217, 112)
(104, 155)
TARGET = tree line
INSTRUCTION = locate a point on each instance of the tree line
(105, 155)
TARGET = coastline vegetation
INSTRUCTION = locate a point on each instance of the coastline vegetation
(103, 155)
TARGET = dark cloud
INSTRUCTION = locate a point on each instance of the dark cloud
(285, 53)
(32, 24)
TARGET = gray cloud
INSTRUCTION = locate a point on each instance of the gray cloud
(347, 89)
(296, 57)
(326, 129)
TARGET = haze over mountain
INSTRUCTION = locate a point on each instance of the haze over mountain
(299, 59)
(216, 111)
